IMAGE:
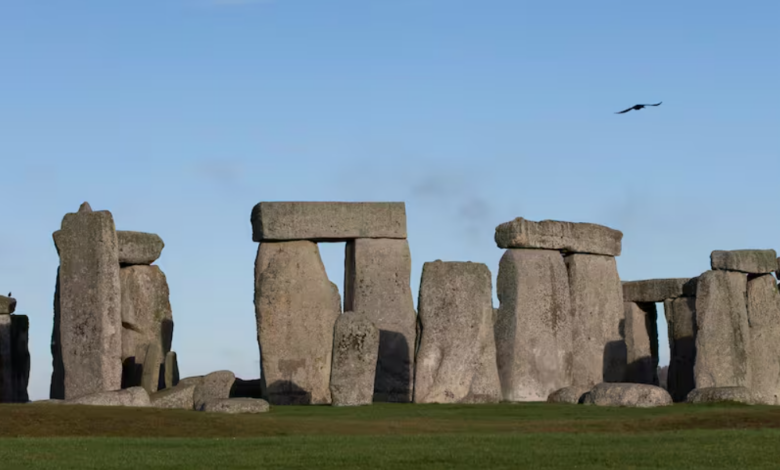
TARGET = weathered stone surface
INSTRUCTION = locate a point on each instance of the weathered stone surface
(171, 370)
(722, 394)
(7, 305)
(533, 328)
(296, 308)
(178, 397)
(627, 394)
(456, 362)
(681, 322)
(597, 314)
(377, 284)
(641, 333)
(6, 364)
(571, 237)
(20, 358)
(658, 290)
(89, 318)
(746, 261)
(139, 247)
(331, 221)
(355, 351)
(213, 386)
(147, 321)
(723, 334)
(133, 396)
(236, 406)
(150, 375)
(573, 395)
(763, 309)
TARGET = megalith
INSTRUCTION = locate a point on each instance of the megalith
(20, 358)
(377, 284)
(355, 352)
(147, 322)
(533, 327)
(763, 311)
(597, 320)
(681, 321)
(456, 362)
(6, 369)
(567, 237)
(89, 317)
(296, 307)
(641, 333)
(745, 261)
(723, 333)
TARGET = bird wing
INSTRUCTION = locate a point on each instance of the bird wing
(654, 104)
(625, 110)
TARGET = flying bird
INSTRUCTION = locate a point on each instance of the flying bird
(637, 107)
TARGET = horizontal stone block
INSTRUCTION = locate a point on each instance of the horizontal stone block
(745, 261)
(7, 305)
(327, 221)
(139, 247)
(658, 290)
(571, 237)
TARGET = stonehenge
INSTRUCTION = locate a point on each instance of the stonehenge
(566, 328)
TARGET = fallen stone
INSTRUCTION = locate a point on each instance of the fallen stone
(746, 261)
(6, 364)
(139, 247)
(213, 386)
(763, 309)
(723, 333)
(722, 394)
(573, 395)
(147, 320)
(597, 313)
(20, 358)
(570, 237)
(681, 322)
(178, 397)
(195, 380)
(355, 351)
(533, 328)
(658, 290)
(133, 396)
(7, 305)
(377, 284)
(89, 303)
(236, 406)
(327, 221)
(456, 362)
(628, 395)
(641, 333)
(296, 307)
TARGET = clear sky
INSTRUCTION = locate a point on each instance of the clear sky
(179, 115)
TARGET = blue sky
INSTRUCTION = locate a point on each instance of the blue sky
(179, 115)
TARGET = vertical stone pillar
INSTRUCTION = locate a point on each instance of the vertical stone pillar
(681, 320)
(20, 358)
(641, 332)
(377, 284)
(89, 318)
(6, 371)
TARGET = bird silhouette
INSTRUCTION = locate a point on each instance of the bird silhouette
(637, 107)
(9, 295)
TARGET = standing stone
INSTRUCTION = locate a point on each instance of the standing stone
(57, 386)
(355, 351)
(150, 375)
(763, 308)
(20, 358)
(723, 335)
(171, 370)
(456, 362)
(681, 321)
(90, 322)
(533, 326)
(377, 284)
(7, 305)
(746, 261)
(641, 332)
(138, 247)
(597, 312)
(296, 308)
(6, 374)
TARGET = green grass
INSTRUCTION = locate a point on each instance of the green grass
(534, 435)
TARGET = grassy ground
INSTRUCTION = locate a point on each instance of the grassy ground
(534, 435)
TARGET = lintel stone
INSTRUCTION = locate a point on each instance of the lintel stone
(570, 237)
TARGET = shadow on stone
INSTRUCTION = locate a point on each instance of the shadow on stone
(166, 333)
(642, 371)
(131, 373)
(285, 392)
(246, 389)
(393, 369)
(57, 389)
(681, 377)
(615, 357)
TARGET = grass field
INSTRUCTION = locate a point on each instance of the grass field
(533, 435)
